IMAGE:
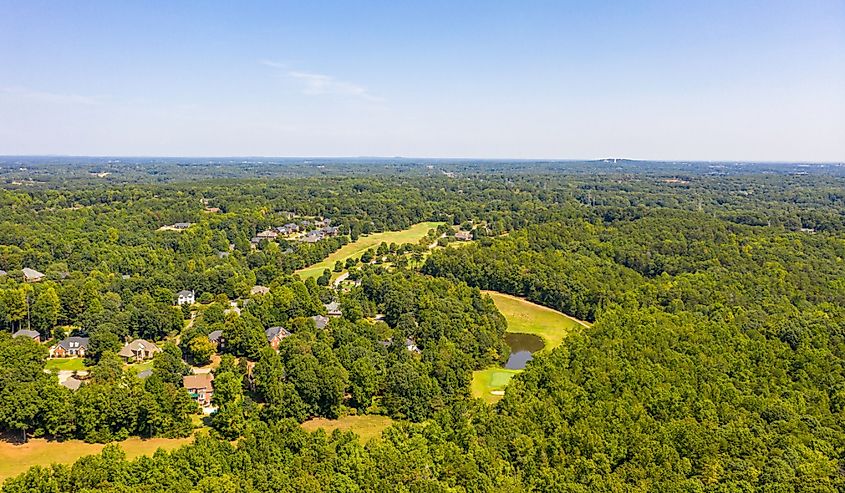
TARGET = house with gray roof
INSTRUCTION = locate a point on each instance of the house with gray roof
(30, 334)
(185, 297)
(320, 321)
(70, 347)
(275, 336)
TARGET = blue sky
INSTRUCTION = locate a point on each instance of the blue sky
(531, 79)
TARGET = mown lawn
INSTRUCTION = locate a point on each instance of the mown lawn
(362, 244)
(530, 318)
(365, 426)
(16, 459)
(485, 382)
(65, 364)
(523, 317)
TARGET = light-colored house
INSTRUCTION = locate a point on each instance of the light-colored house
(71, 346)
(275, 336)
(463, 235)
(31, 334)
(2, 272)
(32, 275)
(333, 309)
(185, 297)
(267, 235)
(199, 387)
(181, 225)
(411, 346)
(259, 290)
(138, 350)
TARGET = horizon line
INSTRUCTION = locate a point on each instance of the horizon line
(456, 158)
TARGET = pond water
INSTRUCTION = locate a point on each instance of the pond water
(522, 345)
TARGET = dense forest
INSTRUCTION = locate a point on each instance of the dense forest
(715, 362)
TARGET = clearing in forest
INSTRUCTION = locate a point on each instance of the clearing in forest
(523, 317)
(364, 243)
(366, 426)
(15, 459)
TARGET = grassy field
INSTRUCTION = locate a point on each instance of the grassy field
(484, 382)
(65, 364)
(358, 247)
(16, 459)
(523, 317)
(530, 318)
(366, 426)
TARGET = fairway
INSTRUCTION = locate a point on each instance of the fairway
(358, 247)
(16, 459)
(523, 317)
(366, 426)
(530, 318)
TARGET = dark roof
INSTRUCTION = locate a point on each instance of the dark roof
(274, 332)
(185, 292)
(320, 321)
(32, 334)
(74, 343)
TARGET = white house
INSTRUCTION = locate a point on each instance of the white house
(185, 297)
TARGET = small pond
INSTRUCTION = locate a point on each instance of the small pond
(522, 345)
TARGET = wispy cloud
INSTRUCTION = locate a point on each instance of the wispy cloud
(314, 84)
(48, 97)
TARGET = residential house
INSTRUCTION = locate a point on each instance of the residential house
(330, 231)
(199, 387)
(181, 225)
(71, 346)
(212, 210)
(31, 334)
(333, 309)
(275, 336)
(267, 235)
(3, 272)
(291, 227)
(259, 290)
(320, 321)
(313, 236)
(463, 235)
(138, 350)
(185, 297)
(411, 346)
(216, 336)
(233, 308)
(32, 275)
(145, 374)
